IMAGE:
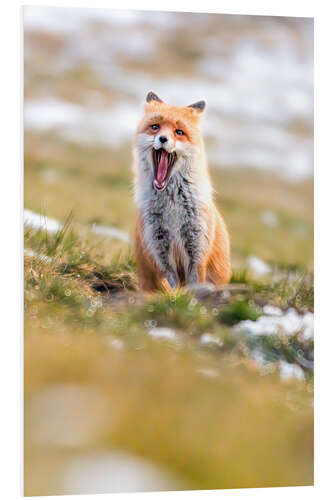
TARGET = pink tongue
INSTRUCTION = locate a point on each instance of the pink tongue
(162, 168)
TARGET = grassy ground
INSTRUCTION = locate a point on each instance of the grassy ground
(207, 414)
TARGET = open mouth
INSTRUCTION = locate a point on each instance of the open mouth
(163, 163)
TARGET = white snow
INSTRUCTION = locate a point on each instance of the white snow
(31, 253)
(114, 472)
(286, 323)
(71, 20)
(38, 221)
(112, 232)
(258, 266)
(80, 123)
(44, 114)
(308, 326)
(208, 372)
(209, 339)
(162, 333)
(272, 310)
(290, 370)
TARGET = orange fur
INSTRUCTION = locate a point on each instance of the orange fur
(150, 277)
(218, 260)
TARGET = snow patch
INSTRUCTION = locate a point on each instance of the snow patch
(209, 339)
(208, 372)
(115, 472)
(30, 253)
(82, 124)
(290, 370)
(38, 221)
(111, 232)
(258, 266)
(272, 310)
(286, 323)
(162, 333)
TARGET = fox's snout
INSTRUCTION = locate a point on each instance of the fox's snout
(164, 141)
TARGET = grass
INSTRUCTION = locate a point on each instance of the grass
(179, 310)
(238, 311)
(291, 286)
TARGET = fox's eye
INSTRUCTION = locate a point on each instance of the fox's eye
(155, 126)
(179, 132)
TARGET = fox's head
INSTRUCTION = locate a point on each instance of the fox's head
(168, 138)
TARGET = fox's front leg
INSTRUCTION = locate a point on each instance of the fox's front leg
(192, 275)
(197, 274)
(192, 237)
(171, 278)
(161, 250)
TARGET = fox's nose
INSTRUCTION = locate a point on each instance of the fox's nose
(163, 139)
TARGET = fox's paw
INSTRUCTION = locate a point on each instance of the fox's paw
(171, 279)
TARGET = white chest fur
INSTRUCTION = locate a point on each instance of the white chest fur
(175, 232)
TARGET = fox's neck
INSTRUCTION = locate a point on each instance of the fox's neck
(193, 174)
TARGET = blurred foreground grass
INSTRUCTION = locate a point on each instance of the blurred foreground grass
(237, 429)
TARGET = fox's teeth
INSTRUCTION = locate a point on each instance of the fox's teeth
(171, 159)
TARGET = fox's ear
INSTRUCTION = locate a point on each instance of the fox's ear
(198, 106)
(151, 96)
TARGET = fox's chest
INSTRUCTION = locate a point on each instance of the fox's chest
(174, 211)
(175, 220)
(174, 228)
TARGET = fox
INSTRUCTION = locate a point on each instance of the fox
(180, 237)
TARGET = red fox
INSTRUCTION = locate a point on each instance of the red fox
(180, 237)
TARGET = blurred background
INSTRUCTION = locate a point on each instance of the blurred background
(87, 72)
(86, 75)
